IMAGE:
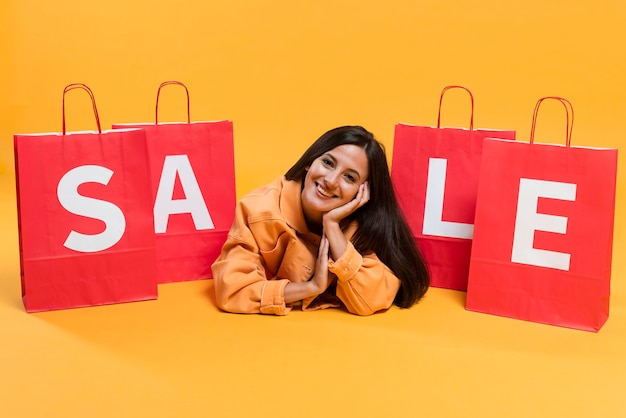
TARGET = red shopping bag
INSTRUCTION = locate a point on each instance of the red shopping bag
(544, 231)
(435, 175)
(84, 217)
(193, 189)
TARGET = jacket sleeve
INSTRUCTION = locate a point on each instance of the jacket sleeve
(240, 281)
(364, 284)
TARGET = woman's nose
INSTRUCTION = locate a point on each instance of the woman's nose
(331, 180)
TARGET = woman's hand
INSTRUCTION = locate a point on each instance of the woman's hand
(330, 220)
(321, 279)
(318, 283)
(337, 214)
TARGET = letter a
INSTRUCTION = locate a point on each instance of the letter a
(165, 205)
(527, 221)
(433, 210)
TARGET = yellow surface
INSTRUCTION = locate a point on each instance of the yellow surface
(284, 72)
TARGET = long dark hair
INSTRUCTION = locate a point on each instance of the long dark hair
(382, 228)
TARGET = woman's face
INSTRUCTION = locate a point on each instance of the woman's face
(332, 180)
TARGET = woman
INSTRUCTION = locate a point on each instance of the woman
(329, 233)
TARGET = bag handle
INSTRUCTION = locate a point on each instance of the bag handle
(167, 83)
(81, 86)
(569, 118)
(471, 126)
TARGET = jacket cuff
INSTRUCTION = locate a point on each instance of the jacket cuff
(273, 298)
(346, 266)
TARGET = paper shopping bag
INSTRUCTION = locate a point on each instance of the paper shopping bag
(84, 217)
(435, 175)
(193, 190)
(544, 231)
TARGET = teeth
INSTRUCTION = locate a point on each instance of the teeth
(323, 192)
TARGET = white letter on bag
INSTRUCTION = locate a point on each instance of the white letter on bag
(107, 212)
(433, 211)
(193, 203)
(528, 221)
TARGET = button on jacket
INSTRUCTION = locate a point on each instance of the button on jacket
(269, 245)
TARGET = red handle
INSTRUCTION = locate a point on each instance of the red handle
(569, 118)
(166, 83)
(81, 86)
(441, 101)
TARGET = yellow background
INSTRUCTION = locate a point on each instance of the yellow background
(284, 72)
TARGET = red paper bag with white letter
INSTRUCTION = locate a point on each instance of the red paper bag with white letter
(84, 217)
(435, 175)
(544, 231)
(193, 188)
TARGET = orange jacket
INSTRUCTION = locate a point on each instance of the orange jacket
(269, 245)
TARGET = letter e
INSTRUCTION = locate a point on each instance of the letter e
(527, 221)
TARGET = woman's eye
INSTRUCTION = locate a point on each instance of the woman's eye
(327, 162)
(350, 178)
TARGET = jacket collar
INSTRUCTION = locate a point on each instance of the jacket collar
(291, 205)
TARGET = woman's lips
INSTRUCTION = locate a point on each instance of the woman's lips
(323, 192)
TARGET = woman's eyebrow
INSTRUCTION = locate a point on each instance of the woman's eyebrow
(329, 155)
(352, 170)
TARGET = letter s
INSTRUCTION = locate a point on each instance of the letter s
(73, 202)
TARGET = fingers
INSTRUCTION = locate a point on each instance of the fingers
(366, 192)
(324, 246)
(321, 270)
(361, 198)
(363, 195)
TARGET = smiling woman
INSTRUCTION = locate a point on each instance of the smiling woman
(333, 180)
(327, 234)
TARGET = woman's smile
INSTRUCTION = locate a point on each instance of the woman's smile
(323, 191)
